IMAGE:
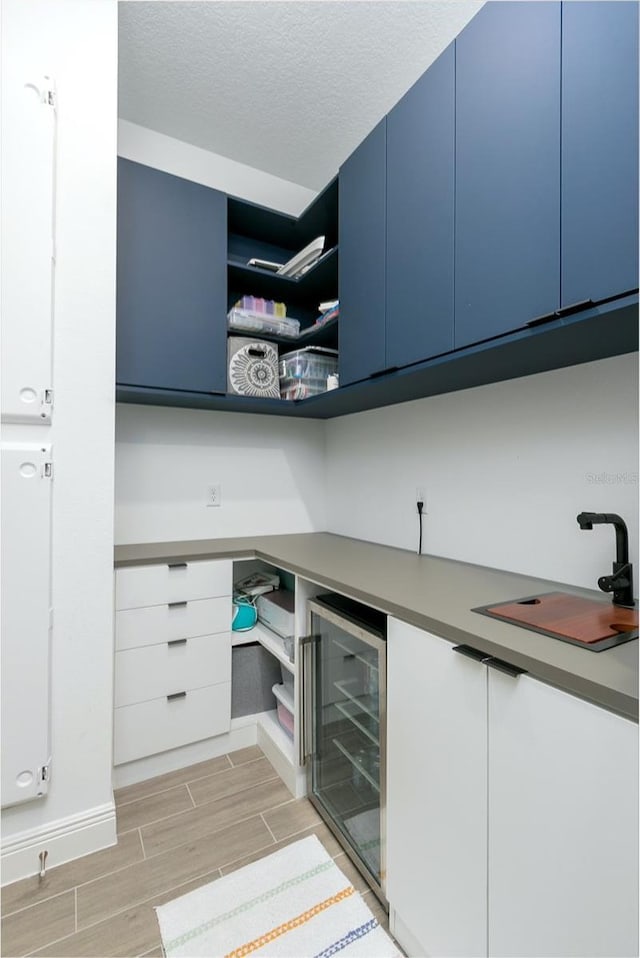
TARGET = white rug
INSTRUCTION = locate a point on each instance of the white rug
(295, 903)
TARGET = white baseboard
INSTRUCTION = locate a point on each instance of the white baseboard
(242, 733)
(64, 840)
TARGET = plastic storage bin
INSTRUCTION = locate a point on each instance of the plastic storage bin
(285, 708)
(247, 320)
(304, 372)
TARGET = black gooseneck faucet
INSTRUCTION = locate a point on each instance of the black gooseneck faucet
(621, 581)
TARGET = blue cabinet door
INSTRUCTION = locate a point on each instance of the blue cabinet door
(507, 222)
(599, 150)
(171, 282)
(362, 214)
(420, 209)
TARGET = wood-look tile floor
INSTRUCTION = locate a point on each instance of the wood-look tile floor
(175, 833)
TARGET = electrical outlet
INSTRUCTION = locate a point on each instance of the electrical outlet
(214, 495)
(421, 496)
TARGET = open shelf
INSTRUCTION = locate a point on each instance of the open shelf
(325, 335)
(268, 640)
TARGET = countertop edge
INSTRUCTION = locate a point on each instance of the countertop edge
(249, 548)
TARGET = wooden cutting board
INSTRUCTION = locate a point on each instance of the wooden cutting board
(583, 620)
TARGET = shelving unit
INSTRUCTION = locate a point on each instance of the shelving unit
(255, 231)
(269, 640)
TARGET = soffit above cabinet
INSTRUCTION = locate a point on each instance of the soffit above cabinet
(289, 88)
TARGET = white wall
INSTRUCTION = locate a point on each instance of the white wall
(77, 43)
(237, 179)
(271, 470)
(506, 469)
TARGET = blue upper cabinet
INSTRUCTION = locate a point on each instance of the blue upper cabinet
(507, 221)
(599, 150)
(362, 217)
(420, 211)
(171, 282)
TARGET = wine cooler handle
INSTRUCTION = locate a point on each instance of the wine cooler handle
(305, 739)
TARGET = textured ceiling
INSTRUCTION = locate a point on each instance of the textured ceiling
(290, 88)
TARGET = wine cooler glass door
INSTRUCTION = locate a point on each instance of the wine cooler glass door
(347, 772)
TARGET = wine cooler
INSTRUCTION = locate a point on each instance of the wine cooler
(344, 741)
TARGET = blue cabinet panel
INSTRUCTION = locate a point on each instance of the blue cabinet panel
(171, 282)
(420, 210)
(507, 224)
(362, 214)
(599, 150)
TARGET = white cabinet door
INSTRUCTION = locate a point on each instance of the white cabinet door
(26, 619)
(437, 794)
(27, 199)
(563, 824)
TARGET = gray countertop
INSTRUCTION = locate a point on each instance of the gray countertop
(433, 594)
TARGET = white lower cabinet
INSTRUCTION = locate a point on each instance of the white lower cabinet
(436, 793)
(512, 822)
(563, 823)
(173, 656)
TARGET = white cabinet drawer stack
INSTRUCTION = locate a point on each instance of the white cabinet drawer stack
(173, 656)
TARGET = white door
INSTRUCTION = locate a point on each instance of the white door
(563, 824)
(26, 619)
(436, 794)
(27, 194)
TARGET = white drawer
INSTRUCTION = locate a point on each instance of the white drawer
(177, 666)
(158, 584)
(156, 624)
(156, 726)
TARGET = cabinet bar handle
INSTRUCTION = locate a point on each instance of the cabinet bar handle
(176, 605)
(560, 313)
(306, 644)
(574, 308)
(472, 653)
(506, 667)
(177, 565)
(176, 695)
(177, 642)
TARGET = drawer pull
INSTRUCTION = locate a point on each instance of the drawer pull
(472, 653)
(176, 695)
(513, 670)
(177, 642)
(177, 565)
(176, 605)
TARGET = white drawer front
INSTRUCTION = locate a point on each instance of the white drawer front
(156, 726)
(158, 584)
(156, 624)
(177, 666)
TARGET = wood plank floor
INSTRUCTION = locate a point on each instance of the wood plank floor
(175, 833)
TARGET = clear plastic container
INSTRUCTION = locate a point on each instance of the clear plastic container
(310, 363)
(304, 372)
(285, 708)
(246, 320)
(301, 389)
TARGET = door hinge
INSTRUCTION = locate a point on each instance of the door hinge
(47, 470)
(48, 93)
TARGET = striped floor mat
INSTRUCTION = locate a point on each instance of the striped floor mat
(295, 903)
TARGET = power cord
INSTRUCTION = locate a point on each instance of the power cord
(420, 507)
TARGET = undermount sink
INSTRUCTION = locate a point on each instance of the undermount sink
(570, 618)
